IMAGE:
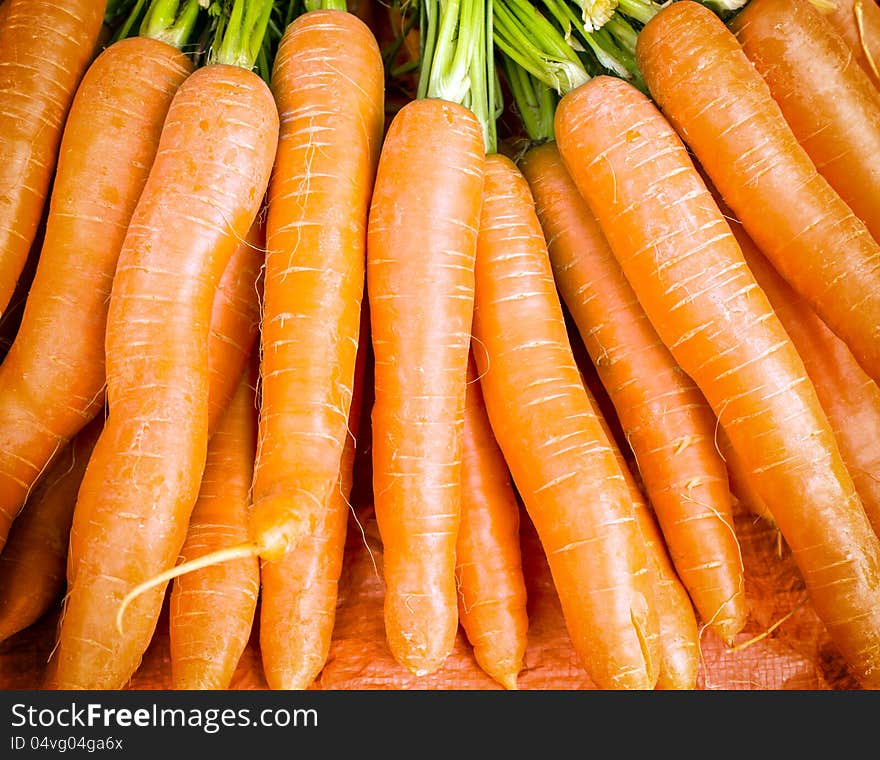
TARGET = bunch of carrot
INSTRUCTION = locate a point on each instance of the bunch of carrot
(238, 233)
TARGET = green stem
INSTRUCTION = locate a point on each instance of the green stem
(535, 101)
(240, 33)
(171, 21)
(638, 10)
(326, 5)
(457, 60)
(132, 21)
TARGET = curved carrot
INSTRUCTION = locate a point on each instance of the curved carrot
(420, 256)
(212, 610)
(679, 634)
(716, 100)
(687, 270)
(298, 593)
(328, 82)
(52, 379)
(665, 418)
(488, 565)
(203, 192)
(858, 23)
(32, 563)
(45, 48)
(830, 103)
(560, 458)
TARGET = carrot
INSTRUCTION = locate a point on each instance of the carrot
(32, 563)
(52, 379)
(738, 133)
(212, 610)
(830, 103)
(299, 591)
(858, 22)
(33, 560)
(421, 244)
(488, 566)
(202, 194)
(850, 399)
(328, 82)
(45, 48)
(665, 418)
(679, 634)
(688, 272)
(560, 458)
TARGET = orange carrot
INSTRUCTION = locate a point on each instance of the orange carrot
(858, 22)
(212, 610)
(52, 379)
(830, 103)
(328, 82)
(32, 563)
(716, 100)
(420, 279)
(688, 272)
(45, 47)
(488, 566)
(560, 458)
(850, 399)
(299, 591)
(679, 634)
(202, 195)
(665, 418)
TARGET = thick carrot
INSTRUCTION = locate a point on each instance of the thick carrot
(665, 418)
(45, 47)
(298, 595)
(32, 563)
(420, 279)
(829, 102)
(858, 22)
(328, 82)
(717, 101)
(850, 399)
(212, 610)
(689, 274)
(52, 379)
(560, 458)
(488, 568)
(203, 193)
(679, 634)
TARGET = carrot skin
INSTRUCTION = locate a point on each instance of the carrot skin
(665, 418)
(491, 587)
(738, 133)
(829, 102)
(688, 272)
(299, 591)
(319, 197)
(421, 244)
(858, 23)
(33, 561)
(560, 458)
(44, 49)
(52, 379)
(203, 193)
(212, 609)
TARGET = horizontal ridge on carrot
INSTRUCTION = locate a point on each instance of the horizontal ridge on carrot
(719, 104)
(682, 260)
(561, 460)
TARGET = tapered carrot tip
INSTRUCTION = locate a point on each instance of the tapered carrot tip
(507, 680)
